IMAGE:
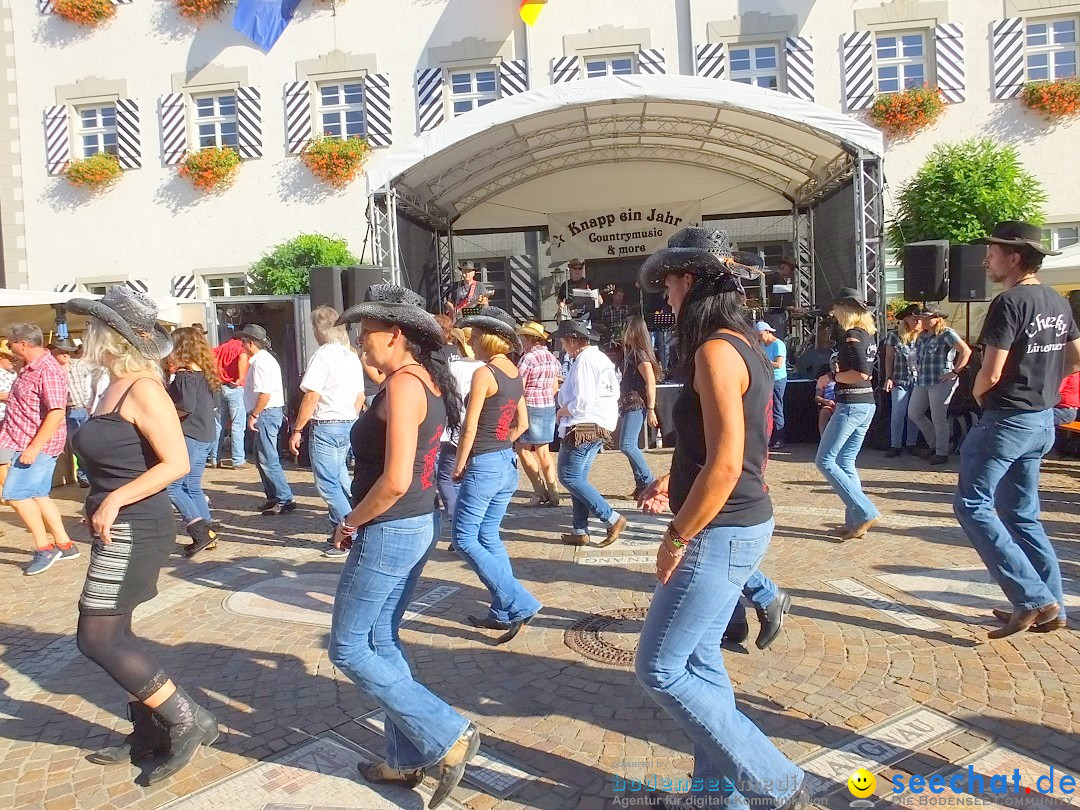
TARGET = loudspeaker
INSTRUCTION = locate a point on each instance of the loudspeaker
(357, 279)
(926, 266)
(967, 277)
(325, 287)
(813, 362)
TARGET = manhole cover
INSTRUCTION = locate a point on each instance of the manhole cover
(610, 637)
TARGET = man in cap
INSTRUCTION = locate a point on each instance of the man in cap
(264, 399)
(466, 292)
(577, 281)
(80, 391)
(776, 354)
(1031, 343)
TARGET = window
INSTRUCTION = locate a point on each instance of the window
(341, 109)
(225, 286)
(470, 89)
(215, 120)
(758, 65)
(901, 61)
(97, 289)
(1052, 49)
(608, 66)
(1059, 237)
(97, 130)
(493, 275)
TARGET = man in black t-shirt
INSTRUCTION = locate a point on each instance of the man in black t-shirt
(1030, 343)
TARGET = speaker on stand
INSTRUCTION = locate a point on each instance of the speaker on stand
(926, 269)
(967, 279)
(324, 287)
(358, 278)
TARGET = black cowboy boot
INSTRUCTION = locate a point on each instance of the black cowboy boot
(190, 725)
(202, 537)
(148, 736)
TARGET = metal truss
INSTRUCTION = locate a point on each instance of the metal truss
(869, 225)
(802, 220)
(382, 214)
(833, 176)
(444, 254)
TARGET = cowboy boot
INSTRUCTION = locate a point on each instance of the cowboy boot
(148, 736)
(552, 492)
(190, 725)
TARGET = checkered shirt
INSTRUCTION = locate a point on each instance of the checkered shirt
(613, 320)
(7, 378)
(903, 370)
(40, 387)
(79, 378)
(934, 355)
(539, 370)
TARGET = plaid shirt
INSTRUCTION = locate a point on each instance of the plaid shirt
(903, 370)
(934, 356)
(7, 378)
(539, 370)
(613, 321)
(79, 378)
(40, 387)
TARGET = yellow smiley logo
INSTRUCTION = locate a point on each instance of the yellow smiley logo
(861, 783)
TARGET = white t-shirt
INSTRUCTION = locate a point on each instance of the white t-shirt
(335, 374)
(462, 369)
(263, 377)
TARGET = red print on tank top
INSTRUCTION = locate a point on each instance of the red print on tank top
(506, 416)
(431, 457)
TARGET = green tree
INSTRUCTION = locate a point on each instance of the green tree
(962, 191)
(285, 269)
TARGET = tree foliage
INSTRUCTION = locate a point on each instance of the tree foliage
(285, 269)
(962, 191)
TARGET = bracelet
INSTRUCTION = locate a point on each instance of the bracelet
(676, 539)
(346, 529)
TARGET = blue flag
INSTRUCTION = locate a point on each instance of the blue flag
(263, 21)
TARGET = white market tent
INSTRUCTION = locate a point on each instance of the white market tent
(1062, 272)
(38, 307)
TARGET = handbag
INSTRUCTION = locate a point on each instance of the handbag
(586, 433)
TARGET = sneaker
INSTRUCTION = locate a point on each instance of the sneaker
(42, 560)
(280, 508)
(336, 553)
(69, 553)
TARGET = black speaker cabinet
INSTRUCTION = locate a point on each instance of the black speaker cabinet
(357, 279)
(967, 277)
(926, 266)
(325, 287)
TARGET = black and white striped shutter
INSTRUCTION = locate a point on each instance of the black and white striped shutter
(173, 128)
(858, 48)
(1007, 49)
(57, 138)
(138, 285)
(949, 50)
(651, 62)
(513, 77)
(128, 147)
(377, 107)
(66, 288)
(429, 98)
(45, 6)
(297, 116)
(524, 282)
(565, 69)
(249, 122)
(184, 287)
(799, 67)
(711, 61)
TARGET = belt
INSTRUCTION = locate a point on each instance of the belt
(333, 421)
(230, 384)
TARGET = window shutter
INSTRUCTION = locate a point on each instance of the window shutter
(429, 97)
(513, 78)
(565, 69)
(128, 147)
(858, 48)
(524, 281)
(651, 62)
(249, 122)
(297, 116)
(949, 62)
(57, 138)
(173, 128)
(138, 285)
(66, 288)
(377, 108)
(183, 287)
(799, 67)
(711, 61)
(45, 6)
(1007, 48)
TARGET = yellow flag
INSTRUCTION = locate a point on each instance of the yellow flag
(530, 10)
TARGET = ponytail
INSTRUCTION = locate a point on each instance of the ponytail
(435, 364)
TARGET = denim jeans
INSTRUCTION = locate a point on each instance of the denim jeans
(186, 493)
(76, 418)
(936, 398)
(375, 588)
(898, 418)
(267, 459)
(839, 445)
(232, 401)
(759, 591)
(1062, 416)
(444, 480)
(328, 446)
(681, 666)
(632, 423)
(490, 481)
(997, 504)
(573, 469)
(779, 388)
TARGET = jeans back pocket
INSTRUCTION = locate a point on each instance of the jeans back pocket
(745, 555)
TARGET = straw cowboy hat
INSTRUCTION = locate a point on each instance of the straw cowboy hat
(532, 329)
(400, 306)
(132, 315)
(495, 321)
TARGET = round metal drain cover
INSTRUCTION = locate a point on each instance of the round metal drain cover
(610, 637)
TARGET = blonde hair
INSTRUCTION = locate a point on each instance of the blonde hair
(494, 344)
(104, 347)
(908, 335)
(942, 324)
(851, 316)
(322, 324)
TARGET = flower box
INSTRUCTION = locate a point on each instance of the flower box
(907, 112)
(94, 173)
(212, 168)
(200, 10)
(335, 161)
(1056, 99)
(90, 13)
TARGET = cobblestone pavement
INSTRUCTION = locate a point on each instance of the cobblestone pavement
(882, 663)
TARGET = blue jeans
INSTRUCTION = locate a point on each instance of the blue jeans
(490, 481)
(375, 588)
(898, 419)
(632, 423)
(267, 459)
(997, 504)
(573, 469)
(839, 445)
(779, 387)
(760, 591)
(232, 400)
(186, 493)
(328, 446)
(679, 663)
(444, 480)
(76, 418)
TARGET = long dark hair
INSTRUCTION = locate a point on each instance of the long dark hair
(435, 364)
(714, 302)
(636, 339)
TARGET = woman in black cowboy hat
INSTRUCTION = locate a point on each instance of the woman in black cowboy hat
(133, 447)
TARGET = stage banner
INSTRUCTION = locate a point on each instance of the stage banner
(619, 232)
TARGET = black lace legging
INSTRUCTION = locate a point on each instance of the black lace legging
(109, 643)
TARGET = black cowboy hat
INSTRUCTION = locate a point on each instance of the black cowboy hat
(1018, 234)
(132, 315)
(466, 265)
(254, 332)
(495, 321)
(701, 251)
(850, 294)
(63, 345)
(575, 329)
(400, 306)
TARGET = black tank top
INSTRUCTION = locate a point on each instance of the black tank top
(497, 413)
(749, 503)
(368, 438)
(113, 453)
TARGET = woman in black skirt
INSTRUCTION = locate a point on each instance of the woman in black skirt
(133, 448)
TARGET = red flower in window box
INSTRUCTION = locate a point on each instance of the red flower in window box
(907, 112)
(212, 168)
(94, 173)
(90, 13)
(200, 10)
(336, 161)
(1056, 99)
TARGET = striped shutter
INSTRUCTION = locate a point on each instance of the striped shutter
(173, 128)
(799, 67)
(66, 288)
(57, 138)
(524, 282)
(513, 77)
(949, 50)
(565, 69)
(711, 61)
(650, 62)
(183, 287)
(45, 6)
(858, 49)
(1007, 49)
(297, 116)
(429, 98)
(128, 148)
(249, 122)
(138, 285)
(377, 108)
